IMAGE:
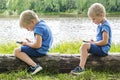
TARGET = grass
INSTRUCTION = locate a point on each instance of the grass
(43, 75)
(67, 47)
(115, 47)
(72, 47)
(8, 48)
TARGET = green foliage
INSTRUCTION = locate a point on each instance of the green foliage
(51, 6)
(2, 4)
(81, 5)
(43, 6)
(113, 5)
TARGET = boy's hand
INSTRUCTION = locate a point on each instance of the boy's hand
(88, 41)
(24, 43)
(28, 40)
(19, 42)
(85, 41)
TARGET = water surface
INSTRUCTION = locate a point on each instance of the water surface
(64, 29)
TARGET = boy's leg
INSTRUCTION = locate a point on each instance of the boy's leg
(24, 57)
(84, 54)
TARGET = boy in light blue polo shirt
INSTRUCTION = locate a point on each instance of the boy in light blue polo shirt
(102, 45)
(43, 40)
(43, 30)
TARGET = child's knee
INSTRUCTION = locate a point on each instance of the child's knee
(85, 46)
(17, 51)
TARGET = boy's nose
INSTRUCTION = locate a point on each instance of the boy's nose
(28, 29)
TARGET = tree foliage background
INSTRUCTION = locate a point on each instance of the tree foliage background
(12, 7)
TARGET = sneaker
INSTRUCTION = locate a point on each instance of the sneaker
(77, 70)
(35, 69)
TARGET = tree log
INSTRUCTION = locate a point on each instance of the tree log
(62, 62)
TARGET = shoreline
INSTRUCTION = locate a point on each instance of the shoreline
(52, 15)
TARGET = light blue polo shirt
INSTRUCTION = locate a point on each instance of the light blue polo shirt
(104, 27)
(44, 31)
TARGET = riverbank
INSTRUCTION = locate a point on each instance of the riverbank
(61, 14)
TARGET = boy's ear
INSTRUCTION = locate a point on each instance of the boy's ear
(102, 15)
(32, 20)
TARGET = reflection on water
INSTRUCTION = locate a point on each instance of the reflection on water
(64, 29)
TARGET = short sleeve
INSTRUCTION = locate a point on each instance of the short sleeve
(105, 28)
(39, 30)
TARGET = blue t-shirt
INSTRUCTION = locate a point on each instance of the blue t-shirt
(104, 27)
(44, 31)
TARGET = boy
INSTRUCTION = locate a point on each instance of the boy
(102, 45)
(43, 40)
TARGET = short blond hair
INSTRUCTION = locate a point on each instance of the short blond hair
(96, 9)
(26, 16)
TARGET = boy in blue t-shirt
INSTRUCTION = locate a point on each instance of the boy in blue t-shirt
(102, 45)
(43, 40)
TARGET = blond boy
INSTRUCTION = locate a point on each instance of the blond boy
(43, 40)
(102, 45)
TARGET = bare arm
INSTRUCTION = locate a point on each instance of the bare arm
(104, 41)
(36, 44)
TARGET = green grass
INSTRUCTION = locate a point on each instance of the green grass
(64, 47)
(43, 75)
(115, 47)
(67, 47)
(8, 48)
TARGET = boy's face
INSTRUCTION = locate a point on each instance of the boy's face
(97, 19)
(29, 27)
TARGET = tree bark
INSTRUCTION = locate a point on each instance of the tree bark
(62, 62)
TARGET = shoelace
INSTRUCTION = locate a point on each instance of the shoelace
(78, 69)
(34, 67)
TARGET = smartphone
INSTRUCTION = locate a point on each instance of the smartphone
(19, 42)
(85, 41)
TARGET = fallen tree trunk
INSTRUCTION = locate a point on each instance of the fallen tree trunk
(62, 62)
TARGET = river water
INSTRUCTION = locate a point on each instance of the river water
(63, 29)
